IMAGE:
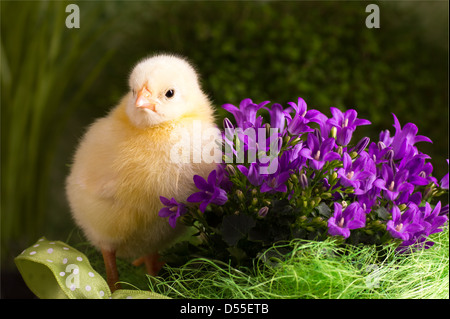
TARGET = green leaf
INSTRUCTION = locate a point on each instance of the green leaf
(237, 253)
(382, 213)
(235, 227)
(324, 210)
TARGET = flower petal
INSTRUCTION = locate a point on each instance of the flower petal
(203, 206)
(197, 197)
(200, 182)
(165, 212)
(212, 178)
(165, 201)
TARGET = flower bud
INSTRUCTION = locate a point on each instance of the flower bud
(317, 220)
(240, 195)
(302, 218)
(227, 123)
(333, 177)
(230, 169)
(263, 211)
(229, 129)
(290, 185)
(326, 195)
(361, 145)
(286, 139)
(295, 141)
(267, 129)
(254, 201)
(389, 155)
(303, 180)
(294, 178)
(376, 223)
(381, 145)
(444, 211)
(333, 132)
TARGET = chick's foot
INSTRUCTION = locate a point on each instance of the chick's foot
(152, 263)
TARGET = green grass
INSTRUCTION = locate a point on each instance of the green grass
(313, 270)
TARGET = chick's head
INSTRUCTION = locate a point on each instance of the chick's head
(163, 88)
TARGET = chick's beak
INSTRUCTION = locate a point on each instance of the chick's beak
(144, 99)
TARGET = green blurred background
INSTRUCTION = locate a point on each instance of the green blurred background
(55, 80)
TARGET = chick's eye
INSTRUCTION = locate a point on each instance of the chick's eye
(170, 93)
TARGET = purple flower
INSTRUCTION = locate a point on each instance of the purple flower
(393, 183)
(302, 117)
(251, 173)
(245, 115)
(296, 160)
(404, 225)
(385, 138)
(433, 217)
(299, 125)
(210, 192)
(223, 177)
(276, 182)
(318, 151)
(345, 124)
(379, 152)
(341, 222)
(172, 209)
(353, 173)
(419, 171)
(404, 139)
(430, 220)
(368, 196)
(277, 116)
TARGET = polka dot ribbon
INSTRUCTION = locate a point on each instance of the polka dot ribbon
(54, 270)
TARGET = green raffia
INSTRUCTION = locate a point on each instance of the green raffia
(317, 270)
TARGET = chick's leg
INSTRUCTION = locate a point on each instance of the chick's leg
(112, 275)
(152, 263)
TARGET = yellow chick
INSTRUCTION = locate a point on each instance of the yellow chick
(125, 162)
